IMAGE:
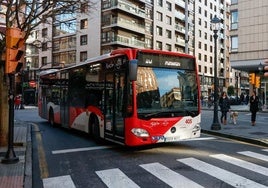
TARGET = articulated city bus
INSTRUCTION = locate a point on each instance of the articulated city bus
(131, 96)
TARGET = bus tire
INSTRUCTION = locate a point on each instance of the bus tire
(95, 127)
(51, 118)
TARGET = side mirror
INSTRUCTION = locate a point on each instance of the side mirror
(132, 69)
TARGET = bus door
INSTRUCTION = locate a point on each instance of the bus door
(114, 122)
(64, 104)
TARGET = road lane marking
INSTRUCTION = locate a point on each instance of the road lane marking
(108, 147)
(116, 178)
(60, 181)
(41, 153)
(242, 164)
(81, 149)
(221, 174)
(168, 176)
(254, 155)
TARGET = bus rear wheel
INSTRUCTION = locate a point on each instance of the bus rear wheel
(94, 128)
(51, 118)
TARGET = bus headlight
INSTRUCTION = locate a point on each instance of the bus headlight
(140, 132)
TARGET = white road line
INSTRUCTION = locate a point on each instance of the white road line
(168, 176)
(80, 149)
(116, 178)
(59, 182)
(254, 155)
(265, 150)
(221, 174)
(197, 139)
(242, 164)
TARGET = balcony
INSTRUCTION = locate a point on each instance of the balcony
(125, 41)
(180, 16)
(127, 24)
(180, 3)
(125, 6)
(179, 28)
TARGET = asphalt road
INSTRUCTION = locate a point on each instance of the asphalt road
(70, 159)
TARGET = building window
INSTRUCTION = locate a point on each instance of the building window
(199, 68)
(44, 32)
(205, 58)
(234, 43)
(234, 2)
(160, 3)
(210, 70)
(168, 34)
(168, 47)
(168, 20)
(206, 69)
(159, 31)
(44, 61)
(83, 40)
(158, 45)
(84, 7)
(83, 56)
(234, 20)
(169, 7)
(199, 56)
(205, 47)
(199, 45)
(159, 16)
(84, 24)
(44, 46)
(199, 21)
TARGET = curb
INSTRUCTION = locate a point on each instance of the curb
(28, 159)
(239, 138)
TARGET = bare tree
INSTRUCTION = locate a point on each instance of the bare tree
(27, 15)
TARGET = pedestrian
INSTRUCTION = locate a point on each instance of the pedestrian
(254, 108)
(224, 104)
(17, 102)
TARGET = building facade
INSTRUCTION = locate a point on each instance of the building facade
(172, 25)
(249, 40)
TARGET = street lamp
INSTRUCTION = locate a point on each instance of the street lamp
(215, 21)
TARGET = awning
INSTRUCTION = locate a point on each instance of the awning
(247, 65)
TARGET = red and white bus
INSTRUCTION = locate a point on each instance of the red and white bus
(130, 96)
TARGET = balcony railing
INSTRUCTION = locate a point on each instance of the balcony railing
(126, 6)
(127, 41)
(128, 24)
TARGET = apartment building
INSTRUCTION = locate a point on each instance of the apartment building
(249, 39)
(173, 25)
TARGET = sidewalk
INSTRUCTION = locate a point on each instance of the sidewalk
(19, 175)
(242, 131)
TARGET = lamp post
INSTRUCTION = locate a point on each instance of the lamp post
(215, 27)
(261, 68)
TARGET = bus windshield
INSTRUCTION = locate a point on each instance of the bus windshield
(166, 92)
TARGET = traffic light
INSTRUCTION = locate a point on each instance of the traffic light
(257, 82)
(252, 78)
(14, 49)
(265, 68)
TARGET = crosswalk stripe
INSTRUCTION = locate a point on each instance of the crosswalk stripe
(254, 155)
(226, 176)
(168, 176)
(241, 163)
(60, 181)
(116, 178)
